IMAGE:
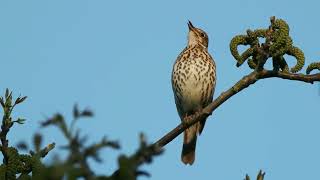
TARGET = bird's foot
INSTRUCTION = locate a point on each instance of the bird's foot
(186, 120)
(198, 113)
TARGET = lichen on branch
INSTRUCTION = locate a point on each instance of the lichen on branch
(312, 66)
(277, 44)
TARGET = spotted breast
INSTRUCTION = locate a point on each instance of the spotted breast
(193, 84)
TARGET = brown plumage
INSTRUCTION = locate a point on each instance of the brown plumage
(193, 84)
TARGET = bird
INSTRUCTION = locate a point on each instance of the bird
(193, 83)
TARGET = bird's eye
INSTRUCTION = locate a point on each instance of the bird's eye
(203, 35)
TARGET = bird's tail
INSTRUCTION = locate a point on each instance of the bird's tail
(189, 145)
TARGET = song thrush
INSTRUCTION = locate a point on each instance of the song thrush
(193, 83)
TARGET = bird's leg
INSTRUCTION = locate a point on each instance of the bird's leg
(186, 120)
(198, 112)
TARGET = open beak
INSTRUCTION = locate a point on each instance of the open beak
(191, 27)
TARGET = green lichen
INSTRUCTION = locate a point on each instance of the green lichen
(235, 42)
(260, 33)
(277, 44)
(298, 54)
(252, 63)
(312, 66)
(281, 41)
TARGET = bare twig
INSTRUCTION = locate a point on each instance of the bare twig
(239, 86)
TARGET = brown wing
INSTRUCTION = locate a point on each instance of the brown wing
(211, 90)
(177, 90)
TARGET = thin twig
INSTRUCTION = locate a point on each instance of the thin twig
(239, 86)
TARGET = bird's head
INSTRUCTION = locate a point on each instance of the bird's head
(197, 36)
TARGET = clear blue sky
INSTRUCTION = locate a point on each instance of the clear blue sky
(116, 58)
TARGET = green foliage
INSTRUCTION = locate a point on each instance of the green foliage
(259, 177)
(13, 162)
(16, 165)
(277, 44)
(30, 166)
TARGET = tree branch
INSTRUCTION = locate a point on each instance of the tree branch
(245, 82)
